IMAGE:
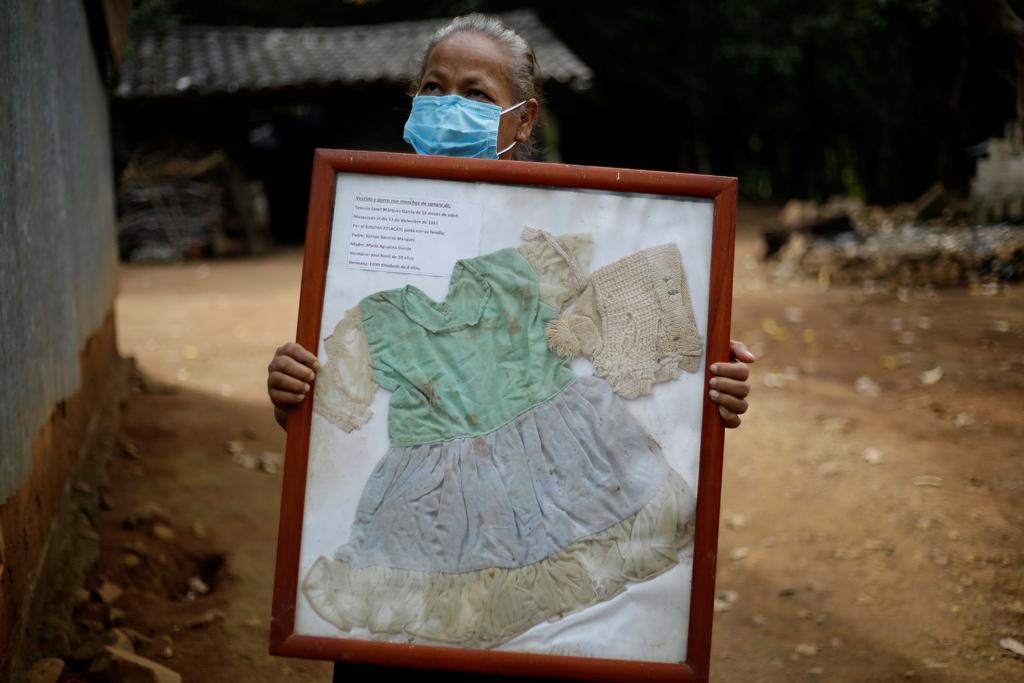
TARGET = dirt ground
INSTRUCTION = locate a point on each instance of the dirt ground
(872, 529)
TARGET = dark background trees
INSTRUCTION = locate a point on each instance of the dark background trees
(875, 98)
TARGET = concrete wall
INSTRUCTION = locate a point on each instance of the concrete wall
(57, 274)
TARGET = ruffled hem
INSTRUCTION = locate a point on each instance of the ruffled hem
(347, 417)
(487, 607)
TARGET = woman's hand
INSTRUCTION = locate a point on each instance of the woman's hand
(729, 388)
(289, 378)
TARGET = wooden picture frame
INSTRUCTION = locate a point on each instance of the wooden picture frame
(722, 193)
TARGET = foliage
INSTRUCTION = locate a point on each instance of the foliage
(877, 98)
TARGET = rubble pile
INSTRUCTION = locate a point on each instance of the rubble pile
(930, 243)
(177, 205)
(103, 626)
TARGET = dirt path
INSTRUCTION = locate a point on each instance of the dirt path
(864, 537)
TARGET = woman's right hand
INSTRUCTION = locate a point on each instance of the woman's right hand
(290, 376)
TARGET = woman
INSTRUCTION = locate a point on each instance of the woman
(481, 60)
(477, 95)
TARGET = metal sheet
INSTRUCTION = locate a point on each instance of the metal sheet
(58, 256)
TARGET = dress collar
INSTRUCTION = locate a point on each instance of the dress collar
(463, 306)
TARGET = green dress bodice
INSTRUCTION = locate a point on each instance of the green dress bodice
(466, 365)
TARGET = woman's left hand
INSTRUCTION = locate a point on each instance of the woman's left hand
(729, 388)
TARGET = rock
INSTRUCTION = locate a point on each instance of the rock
(246, 460)
(196, 586)
(924, 323)
(1000, 326)
(806, 649)
(271, 462)
(106, 502)
(906, 338)
(83, 487)
(163, 646)
(117, 616)
(206, 618)
(93, 626)
(873, 456)
(130, 561)
(87, 651)
(121, 666)
(145, 516)
(129, 450)
(136, 546)
(109, 592)
(963, 420)
(867, 386)
(80, 595)
(198, 529)
(46, 670)
(1013, 646)
(929, 377)
(137, 638)
(234, 447)
(739, 553)
(121, 640)
(163, 532)
(793, 314)
(928, 480)
(724, 600)
(737, 521)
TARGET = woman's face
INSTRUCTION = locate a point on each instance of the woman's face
(474, 66)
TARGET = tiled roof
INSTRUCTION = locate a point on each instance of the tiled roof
(212, 60)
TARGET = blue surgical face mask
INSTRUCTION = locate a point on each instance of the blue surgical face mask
(453, 126)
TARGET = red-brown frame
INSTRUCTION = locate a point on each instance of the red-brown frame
(327, 163)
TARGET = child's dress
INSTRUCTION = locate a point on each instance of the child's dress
(513, 492)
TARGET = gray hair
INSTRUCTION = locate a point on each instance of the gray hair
(522, 70)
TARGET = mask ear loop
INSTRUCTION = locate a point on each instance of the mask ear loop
(514, 106)
(503, 112)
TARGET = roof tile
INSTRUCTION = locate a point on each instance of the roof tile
(212, 60)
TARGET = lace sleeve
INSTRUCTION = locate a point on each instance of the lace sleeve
(345, 384)
(561, 263)
(635, 321)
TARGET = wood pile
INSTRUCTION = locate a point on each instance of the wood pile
(175, 206)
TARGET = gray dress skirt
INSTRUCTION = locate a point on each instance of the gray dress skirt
(473, 541)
